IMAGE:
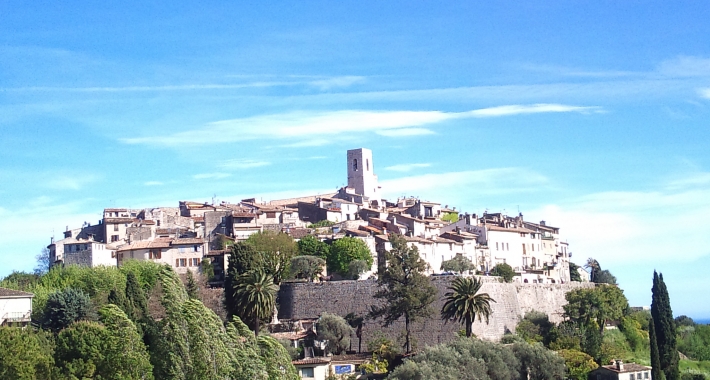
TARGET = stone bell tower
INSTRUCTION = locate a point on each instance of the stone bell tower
(361, 175)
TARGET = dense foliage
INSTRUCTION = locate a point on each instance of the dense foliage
(307, 267)
(346, 250)
(168, 336)
(475, 359)
(503, 270)
(458, 264)
(310, 245)
(336, 330)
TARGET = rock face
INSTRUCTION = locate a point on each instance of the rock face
(309, 300)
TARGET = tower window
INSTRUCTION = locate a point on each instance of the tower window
(355, 164)
(367, 165)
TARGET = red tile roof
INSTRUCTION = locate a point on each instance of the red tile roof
(11, 293)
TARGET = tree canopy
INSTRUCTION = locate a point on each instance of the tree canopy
(336, 330)
(464, 302)
(459, 264)
(346, 250)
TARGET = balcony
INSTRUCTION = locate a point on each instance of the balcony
(16, 317)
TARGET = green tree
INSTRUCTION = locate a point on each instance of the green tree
(81, 351)
(136, 302)
(574, 272)
(464, 302)
(65, 307)
(336, 330)
(356, 322)
(275, 251)
(537, 362)
(312, 246)
(665, 329)
(656, 370)
(207, 268)
(599, 276)
(255, 296)
(451, 217)
(344, 251)
(125, 351)
(25, 354)
(578, 363)
(193, 290)
(406, 291)
(356, 268)
(503, 270)
(458, 264)
(307, 267)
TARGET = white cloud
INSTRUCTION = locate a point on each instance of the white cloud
(300, 125)
(457, 187)
(153, 183)
(336, 82)
(704, 92)
(627, 227)
(69, 182)
(211, 175)
(402, 132)
(242, 164)
(685, 66)
(308, 143)
(406, 167)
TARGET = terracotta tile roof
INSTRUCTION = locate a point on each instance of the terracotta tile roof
(291, 335)
(10, 293)
(146, 244)
(355, 232)
(243, 214)
(319, 360)
(298, 233)
(371, 229)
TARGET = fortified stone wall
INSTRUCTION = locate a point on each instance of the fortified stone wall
(309, 300)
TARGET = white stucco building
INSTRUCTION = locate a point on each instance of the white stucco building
(15, 307)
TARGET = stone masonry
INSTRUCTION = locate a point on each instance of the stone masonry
(299, 300)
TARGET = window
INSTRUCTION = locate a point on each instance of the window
(496, 246)
(355, 164)
(367, 165)
(181, 249)
(154, 254)
(114, 238)
(157, 222)
(270, 214)
(645, 375)
(532, 247)
(115, 227)
(507, 247)
(194, 248)
(183, 262)
(195, 262)
(307, 372)
(632, 377)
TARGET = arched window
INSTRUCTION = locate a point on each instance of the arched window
(355, 164)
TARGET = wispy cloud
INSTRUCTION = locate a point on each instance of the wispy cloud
(488, 182)
(296, 125)
(153, 183)
(685, 66)
(242, 164)
(403, 132)
(704, 92)
(337, 82)
(406, 167)
(211, 175)
(69, 182)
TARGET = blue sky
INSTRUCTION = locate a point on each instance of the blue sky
(592, 116)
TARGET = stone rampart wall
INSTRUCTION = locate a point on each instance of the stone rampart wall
(309, 300)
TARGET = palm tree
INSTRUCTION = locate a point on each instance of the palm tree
(594, 267)
(255, 295)
(464, 303)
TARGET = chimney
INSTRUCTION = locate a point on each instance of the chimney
(619, 365)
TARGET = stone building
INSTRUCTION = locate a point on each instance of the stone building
(182, 254)
(621, 371)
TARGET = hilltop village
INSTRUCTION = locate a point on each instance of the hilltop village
(184, 236)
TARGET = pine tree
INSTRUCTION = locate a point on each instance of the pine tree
(656, 373)
(192, 287)
(664, 328)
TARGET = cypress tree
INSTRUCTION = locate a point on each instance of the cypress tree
(136, 302)
(656, 373)
(664, 328)
(192, 287)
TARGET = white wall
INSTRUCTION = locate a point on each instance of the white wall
(10, 306)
